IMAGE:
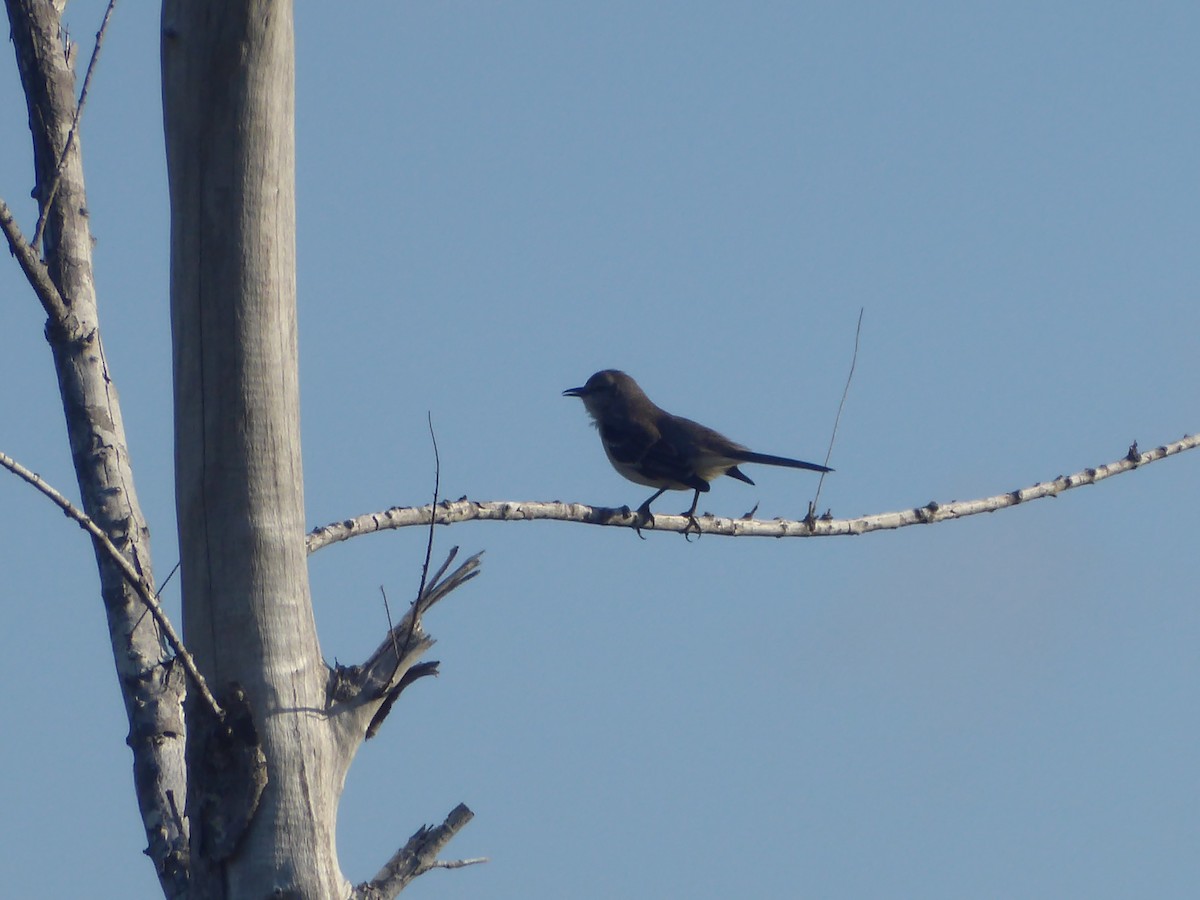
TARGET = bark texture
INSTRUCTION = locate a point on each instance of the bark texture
(240, 799)
(228, 96)
(151, 690)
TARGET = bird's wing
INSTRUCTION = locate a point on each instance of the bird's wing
(710, 453)
(714, 453)
(641, 453)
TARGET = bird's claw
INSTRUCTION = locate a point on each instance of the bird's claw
(693, 524)
(644, 519)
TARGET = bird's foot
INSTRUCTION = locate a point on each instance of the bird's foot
(693, 525)
(644, 519)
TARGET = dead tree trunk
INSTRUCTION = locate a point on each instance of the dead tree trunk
(253, 811)
(228, 71)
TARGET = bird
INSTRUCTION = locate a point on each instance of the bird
(650, 446)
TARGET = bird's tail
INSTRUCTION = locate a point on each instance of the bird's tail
(767, 460)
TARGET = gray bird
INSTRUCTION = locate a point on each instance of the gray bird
(649, 446)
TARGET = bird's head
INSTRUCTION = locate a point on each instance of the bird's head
(607, 390)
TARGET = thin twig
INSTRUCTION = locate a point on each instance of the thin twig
(812, 507)
(393, 687)
(375, 680)
(132, 576)
(47, 197)
(162, 587)
(437, 485)
(438, 589)
(387, 611)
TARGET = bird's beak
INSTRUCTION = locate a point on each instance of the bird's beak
(573, 392)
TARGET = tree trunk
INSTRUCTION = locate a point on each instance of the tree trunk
(228, 96)
(253, 813)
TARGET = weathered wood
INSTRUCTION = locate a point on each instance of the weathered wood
(151, 690)
(228, 94)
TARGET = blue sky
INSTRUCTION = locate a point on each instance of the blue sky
(496, 201)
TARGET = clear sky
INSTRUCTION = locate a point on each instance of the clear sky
(496, 200)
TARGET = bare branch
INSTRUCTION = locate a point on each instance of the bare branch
(370, 683)
(35, 270)
(440, 586)
(459, 863)
(152, 686)
(47, 197)
(420, 670)
(384, 674)
(416, 857)
(132, 576)
(464, 510)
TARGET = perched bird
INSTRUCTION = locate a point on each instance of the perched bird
(650, 446)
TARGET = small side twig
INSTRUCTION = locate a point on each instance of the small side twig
(392, 691)
(387, 612)
(375, 679)
(132, 576)
(47, 196)
(415, 617)
(420, 670)
(812, 506)
(437, 486)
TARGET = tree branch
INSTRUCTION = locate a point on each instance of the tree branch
(414, 672)
(416, 857)
(372, 687)
(35, 270)
(48, 195)
(464, 510)
(135, 579)
(151, 684)
(459, 863)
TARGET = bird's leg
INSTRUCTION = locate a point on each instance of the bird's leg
(645, 517)
(691, 517)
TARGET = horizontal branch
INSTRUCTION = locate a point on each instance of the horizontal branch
(132, 575)
(464, 510)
